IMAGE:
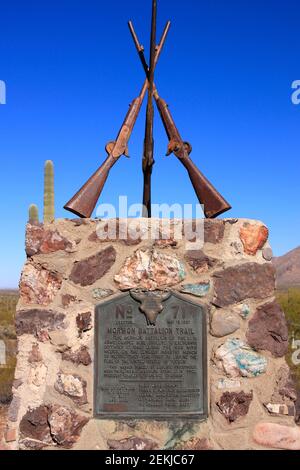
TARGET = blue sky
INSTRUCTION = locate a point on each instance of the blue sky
(71, 70)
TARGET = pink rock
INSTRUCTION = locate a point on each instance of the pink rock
(49, 425)
(38, 285)
(65, 425)
(277, 436)
(253, 237)
(42, 241)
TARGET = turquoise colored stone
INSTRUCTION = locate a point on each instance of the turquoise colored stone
(249, 362)
(245, 311)
(199, 289)
(99, 293)
(181, 271)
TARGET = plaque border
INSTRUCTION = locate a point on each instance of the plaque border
(148, 415)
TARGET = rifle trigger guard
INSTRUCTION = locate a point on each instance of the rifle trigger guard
(173, 147)
(179, 148)
(188, 147)
(110, 147)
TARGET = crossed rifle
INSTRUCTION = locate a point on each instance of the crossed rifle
(85, 200)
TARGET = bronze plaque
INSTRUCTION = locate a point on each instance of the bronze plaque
(150, 358)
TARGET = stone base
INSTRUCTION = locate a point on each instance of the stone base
(70, 270)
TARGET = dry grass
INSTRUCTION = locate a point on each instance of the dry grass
(8, 302)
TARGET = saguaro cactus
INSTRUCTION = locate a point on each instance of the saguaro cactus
(33, 214)
(49, 192)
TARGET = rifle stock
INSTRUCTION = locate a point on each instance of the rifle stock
(212, 201)
(84, 201)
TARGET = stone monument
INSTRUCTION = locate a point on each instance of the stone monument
(138, 342)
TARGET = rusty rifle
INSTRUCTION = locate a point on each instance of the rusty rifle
(85, 200)
(213, 202)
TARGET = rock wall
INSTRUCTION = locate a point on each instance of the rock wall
(69, 270)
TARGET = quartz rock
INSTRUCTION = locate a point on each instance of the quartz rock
(38, 285)
(72, 386)
(99, 293)
(150, 269)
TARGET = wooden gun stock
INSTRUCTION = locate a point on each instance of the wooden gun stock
(213, 203)
(85, 200)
